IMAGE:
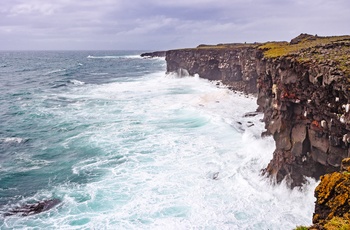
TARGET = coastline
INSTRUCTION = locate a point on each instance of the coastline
(301, 88)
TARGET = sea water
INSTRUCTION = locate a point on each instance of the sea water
(124, 145)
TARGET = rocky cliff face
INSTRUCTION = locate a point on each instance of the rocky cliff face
(307, 112)
(234, 67)
(303, 92)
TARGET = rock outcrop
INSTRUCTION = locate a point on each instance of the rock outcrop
(34, 208)
(153, 54)
(303, 89)
(332, 207)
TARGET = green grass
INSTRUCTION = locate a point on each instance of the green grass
(311, 49)
(277, 49)
(333, 51)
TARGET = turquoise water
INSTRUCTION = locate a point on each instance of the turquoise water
(122, 145)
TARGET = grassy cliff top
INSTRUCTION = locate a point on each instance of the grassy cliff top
(306, 48)
(302, 43)
(229, 46)
(333, 50)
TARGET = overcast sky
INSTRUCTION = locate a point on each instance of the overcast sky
(163, 24)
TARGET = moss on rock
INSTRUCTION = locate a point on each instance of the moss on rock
(333, 201)
(334, 50)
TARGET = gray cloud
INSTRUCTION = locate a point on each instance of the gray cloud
(163, 24)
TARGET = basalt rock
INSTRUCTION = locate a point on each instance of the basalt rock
(306, 118)
(153, 54)
(34, 208)
(235, 67)
(302, 88)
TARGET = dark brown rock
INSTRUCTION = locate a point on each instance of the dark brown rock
(153, 54)
(302, 37)
(34, 208)
(234, 67)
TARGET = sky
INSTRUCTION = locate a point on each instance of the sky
(163, 24)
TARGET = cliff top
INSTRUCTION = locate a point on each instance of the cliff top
(228, 46)
(305, 48)
(334, 50)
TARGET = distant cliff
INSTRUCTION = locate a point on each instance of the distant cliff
(234, 66)
(153, 54)
(303, 88)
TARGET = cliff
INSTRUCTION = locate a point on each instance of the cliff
(303, 89)
(234, 65)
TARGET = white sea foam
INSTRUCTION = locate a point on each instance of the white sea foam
(114, 57)
(102, 57)
(76, 82)
(133, 56)
(99, 74)
(177, 154)
(9, 140)
(55, 71)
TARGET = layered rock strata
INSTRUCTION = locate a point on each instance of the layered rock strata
(302, 88)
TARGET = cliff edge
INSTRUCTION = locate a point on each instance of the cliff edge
(303, 88)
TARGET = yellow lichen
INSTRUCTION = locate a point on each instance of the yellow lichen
(345, 165)
(277, 49)
(333, 194)
(327, 185)
(319, 50)
(338, 223)
(332, 51)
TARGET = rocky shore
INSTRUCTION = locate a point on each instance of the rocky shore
(303, 89)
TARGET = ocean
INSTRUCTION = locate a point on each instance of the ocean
(120, 144)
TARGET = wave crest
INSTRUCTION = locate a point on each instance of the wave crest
(12, 140)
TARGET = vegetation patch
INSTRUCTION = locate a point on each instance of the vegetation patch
(332, 51)
(338, 223)
(332, 208)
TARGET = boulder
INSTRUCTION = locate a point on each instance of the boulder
(33, 208)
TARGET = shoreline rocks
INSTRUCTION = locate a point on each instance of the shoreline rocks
(34, 208)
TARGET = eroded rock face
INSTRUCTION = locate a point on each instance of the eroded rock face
(307, 117)
(234, 67)
(306, 105)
